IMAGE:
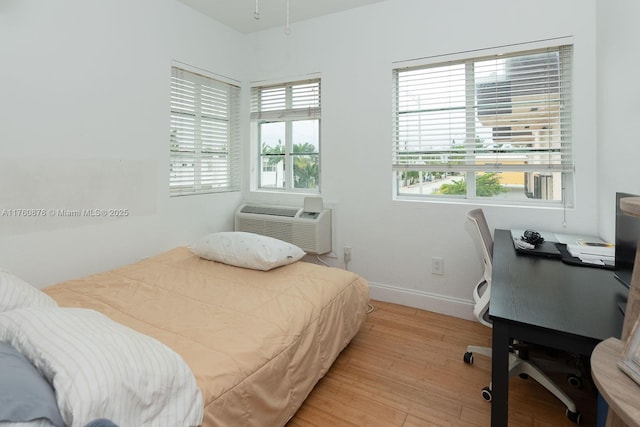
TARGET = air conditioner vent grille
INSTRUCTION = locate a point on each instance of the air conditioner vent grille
(311, 233)
(267, 210)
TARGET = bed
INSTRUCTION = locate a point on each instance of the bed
(255, 339)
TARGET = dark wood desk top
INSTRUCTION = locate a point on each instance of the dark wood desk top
(546, 293)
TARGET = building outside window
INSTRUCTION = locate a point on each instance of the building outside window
(287, 124)
(204, 141)
(491, 128)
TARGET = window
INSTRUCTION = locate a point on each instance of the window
(204, 139)
(287, 119)
(495, 127)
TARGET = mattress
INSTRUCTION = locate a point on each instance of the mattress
(256, 341)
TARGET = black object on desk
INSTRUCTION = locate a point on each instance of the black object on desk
(543, 301)
(545, 248)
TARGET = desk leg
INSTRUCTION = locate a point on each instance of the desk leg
(500, 374)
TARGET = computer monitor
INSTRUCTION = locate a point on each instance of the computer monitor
(627, 236)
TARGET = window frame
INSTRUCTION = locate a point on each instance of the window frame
(470, 169)
(271, 112)
(204, 132)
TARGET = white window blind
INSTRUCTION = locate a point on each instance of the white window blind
(205, 138)
(291, 101)
(493, 114)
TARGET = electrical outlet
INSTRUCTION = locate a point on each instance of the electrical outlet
(437, 265)
(346, 254)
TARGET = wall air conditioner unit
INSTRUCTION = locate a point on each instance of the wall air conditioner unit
(311, 231)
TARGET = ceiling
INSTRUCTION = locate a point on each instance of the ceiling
(239, 14)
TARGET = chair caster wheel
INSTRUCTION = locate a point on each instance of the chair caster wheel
(574, 381)
(486, 394)
(576, 417)
(468, 358)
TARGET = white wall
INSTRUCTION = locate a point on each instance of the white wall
(86, 81)
(84, 122)
(618, 107)
(354, 52)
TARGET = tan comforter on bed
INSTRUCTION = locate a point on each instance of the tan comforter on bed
(257, 342)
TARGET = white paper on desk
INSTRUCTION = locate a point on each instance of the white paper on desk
(597, 248)
(580, 251)
(573, 239)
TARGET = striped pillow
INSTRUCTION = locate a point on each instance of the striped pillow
(102, 369)
(16, 293)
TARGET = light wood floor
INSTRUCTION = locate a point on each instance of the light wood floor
(405, 368)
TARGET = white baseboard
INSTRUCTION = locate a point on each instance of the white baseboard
(423, 300)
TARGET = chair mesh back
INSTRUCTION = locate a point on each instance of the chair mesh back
(481, 308)
(477, 216)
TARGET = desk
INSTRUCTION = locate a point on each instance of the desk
(544, 301)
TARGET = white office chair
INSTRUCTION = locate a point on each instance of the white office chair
(519, 363)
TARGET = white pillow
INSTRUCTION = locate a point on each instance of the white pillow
(247, 250)
(102, 369)
(16, 293)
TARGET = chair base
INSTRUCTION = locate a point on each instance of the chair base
(530, 368)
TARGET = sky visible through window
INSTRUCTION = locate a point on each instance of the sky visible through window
(302, 132)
